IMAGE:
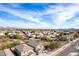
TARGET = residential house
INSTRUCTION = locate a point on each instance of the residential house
(39, 35)
(34, 39)
(2, 34)
(64, 37)
(24, 50)
(29, 35)
(37, 45)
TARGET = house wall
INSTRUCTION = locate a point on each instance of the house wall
(18, 52)
(39, 48)
(27, 53)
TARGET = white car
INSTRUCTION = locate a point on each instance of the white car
(73, 54)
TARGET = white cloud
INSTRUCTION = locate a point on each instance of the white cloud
(76, 21)
(1, 20)
(37, 23)
(75, 24)
(67, 14)
(24, 15)
(16, 13)
(53, 10)
(62, 13)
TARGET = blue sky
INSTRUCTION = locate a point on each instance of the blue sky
(39, 15)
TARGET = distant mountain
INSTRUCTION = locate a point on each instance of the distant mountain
(70, 29)
(6, 28)
(67, 29)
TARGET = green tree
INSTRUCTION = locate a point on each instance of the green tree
(54, 45)
(45, 38)
(76, 35)
(17, 36)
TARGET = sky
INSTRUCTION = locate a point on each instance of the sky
(39, 15)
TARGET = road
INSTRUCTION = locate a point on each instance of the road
(71, 48)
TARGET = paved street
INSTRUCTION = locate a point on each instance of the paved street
(70, 49)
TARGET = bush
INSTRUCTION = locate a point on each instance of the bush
(45, 38)
(3, 37)
(71, 39)
(17, 36)
(12, 44)
(4, 46)
(27, 38)
(76, 35)
(46, 47)
(54, 45)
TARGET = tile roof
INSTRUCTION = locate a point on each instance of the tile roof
(34, 43)
(23, 48)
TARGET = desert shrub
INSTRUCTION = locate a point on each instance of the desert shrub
(17, 36)
(9, 45)
(45, 38)
(54, 45)
(76, 35)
